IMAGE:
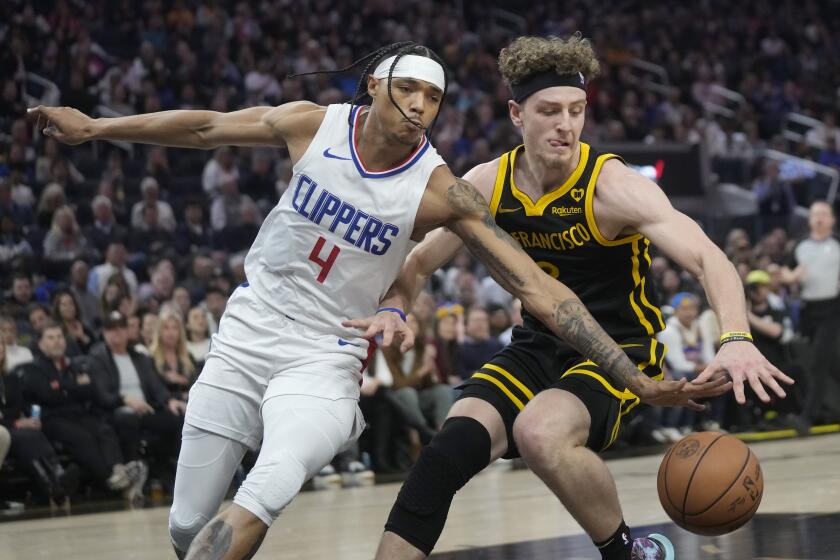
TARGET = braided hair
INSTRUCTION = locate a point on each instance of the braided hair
(398, 50)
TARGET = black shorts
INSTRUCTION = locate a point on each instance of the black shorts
(534, 361)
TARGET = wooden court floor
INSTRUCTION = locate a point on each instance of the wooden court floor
(499, 515)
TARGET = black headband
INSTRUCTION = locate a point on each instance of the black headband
(543, 80)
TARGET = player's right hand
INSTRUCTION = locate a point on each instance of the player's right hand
(384, 327)
(678, 393)
(65, 124)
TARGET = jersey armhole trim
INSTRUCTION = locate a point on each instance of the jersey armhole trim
(499, 185)
(589, 205)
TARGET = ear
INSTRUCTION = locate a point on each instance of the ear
(515, 110)
(372, 86)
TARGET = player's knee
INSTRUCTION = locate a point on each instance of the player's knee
(546, 426)
(271, 486)
(457, 453)
(183, 529)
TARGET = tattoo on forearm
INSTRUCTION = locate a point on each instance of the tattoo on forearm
(213, 542)
(581, 330)
(466, 199)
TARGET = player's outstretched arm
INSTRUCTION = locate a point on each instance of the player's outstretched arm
(255, 126)
(637, 204)
(553, 303)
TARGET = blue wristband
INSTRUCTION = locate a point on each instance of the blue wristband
(399, 312)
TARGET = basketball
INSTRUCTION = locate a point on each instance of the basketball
(710, 483)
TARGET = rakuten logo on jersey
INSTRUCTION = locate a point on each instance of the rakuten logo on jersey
(357, 227)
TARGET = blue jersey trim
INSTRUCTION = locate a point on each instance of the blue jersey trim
(356, 112)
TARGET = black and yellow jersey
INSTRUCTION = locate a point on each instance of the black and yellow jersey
(559, 232)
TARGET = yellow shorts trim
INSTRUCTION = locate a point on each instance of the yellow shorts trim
(501, 387)
(518, 384)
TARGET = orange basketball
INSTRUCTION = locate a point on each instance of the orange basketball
(710, 483)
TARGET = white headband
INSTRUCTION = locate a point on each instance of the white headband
(415, 67)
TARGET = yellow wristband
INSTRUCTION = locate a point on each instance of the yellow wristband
(735, 336)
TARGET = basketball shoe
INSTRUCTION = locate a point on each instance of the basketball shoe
(653, 547)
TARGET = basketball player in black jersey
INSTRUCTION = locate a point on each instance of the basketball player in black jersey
(588, 220)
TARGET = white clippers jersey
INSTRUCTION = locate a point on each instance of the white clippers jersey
(340, 233)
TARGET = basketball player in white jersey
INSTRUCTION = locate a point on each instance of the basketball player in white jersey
(367, 184)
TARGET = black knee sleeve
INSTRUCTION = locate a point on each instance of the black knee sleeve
(457, 453)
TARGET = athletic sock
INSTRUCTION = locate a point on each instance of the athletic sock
(619, 546)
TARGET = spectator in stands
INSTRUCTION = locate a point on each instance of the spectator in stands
(104, 228)
(830, 155)
(115, 263)
(415, 378)
(152, 240)
(226, 209)
(89, 306)
(148, 328)
(157, 167)
(449, 330)
(515, 319)
(19, 214)
(116, 289)
(479, 345)
(198, 336)
(150, 191)
(29, 446)
(65, 394)
(424, 310)
(499, 318)
(181, 301)
(65, 242)
(39, 316)
(775, 199)
(772, 330)
(818, 274)
(132, 393)
(15, 354)
(159, 289)
(66, 312)
(238, 236)
(52, 198)
(219, 171)
(15, 250)
(688, 354)
(214, 304)
(260, 182)
(192, 235)
(171, 356)
(18, 301)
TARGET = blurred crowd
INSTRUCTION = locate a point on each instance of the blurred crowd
(117, 260)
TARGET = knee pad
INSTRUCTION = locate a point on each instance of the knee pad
(271, 486)
(183, 531)
(457, 453)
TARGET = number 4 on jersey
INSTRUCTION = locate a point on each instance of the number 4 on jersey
(325, 264)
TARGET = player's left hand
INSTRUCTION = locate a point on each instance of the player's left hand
(743, 362)
(384, 327)
(677, 393)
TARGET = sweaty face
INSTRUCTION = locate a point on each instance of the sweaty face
(418, 99)
(551, 121)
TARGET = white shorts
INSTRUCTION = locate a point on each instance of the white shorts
(259, 354)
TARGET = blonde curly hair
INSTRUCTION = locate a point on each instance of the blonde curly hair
(526, 56)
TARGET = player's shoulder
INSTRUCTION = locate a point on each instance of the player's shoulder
(297, 117)
(483, 177)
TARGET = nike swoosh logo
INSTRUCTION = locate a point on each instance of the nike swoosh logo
(508, 210)
(327, 154)
(342, 342)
